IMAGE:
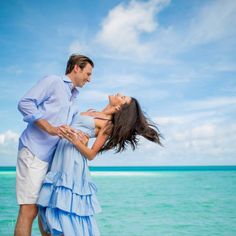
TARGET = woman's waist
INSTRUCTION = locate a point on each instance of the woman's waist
(90, 131)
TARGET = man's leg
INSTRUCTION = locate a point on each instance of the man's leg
(30, 172)
(26, 216)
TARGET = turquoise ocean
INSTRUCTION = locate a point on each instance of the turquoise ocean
(150, 201)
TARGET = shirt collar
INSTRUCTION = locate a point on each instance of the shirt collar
(73, 89)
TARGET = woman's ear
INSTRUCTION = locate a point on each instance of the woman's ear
(118, 108)
(113, 110)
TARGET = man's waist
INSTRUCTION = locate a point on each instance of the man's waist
(43, 150)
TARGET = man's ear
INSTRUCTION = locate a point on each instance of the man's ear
(77, 68)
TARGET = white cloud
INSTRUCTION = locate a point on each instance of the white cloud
(212, 108)
(130, 84)
(122, 28)
(170, 120)
(132, 31)
(212, 103)
(190, 143)
(120, 80)
(8, 147)
(152, 94)
(93, 95)
(79, 47)
(215, 110)
(8, 137)
(13, 69)
(213, 22)
(224, 67)
(202, 132)
(206, 140)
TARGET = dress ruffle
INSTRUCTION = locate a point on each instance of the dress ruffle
(57, 222)
(60, 179)
(59, 192)
(64, 204)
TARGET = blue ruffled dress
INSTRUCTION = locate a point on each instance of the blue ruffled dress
(67, 201)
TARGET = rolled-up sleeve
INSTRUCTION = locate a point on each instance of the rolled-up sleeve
(29, 110)
(28, 105)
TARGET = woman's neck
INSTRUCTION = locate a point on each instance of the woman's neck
(105, 114)
(108, 110)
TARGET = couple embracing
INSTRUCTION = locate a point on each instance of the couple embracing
(52, 175)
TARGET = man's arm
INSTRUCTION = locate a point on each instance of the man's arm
(47, 127)
(28, 105)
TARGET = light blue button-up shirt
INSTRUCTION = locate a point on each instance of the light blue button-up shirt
(54, 99)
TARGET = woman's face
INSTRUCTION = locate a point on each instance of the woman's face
(119, 99)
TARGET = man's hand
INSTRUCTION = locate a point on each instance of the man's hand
(54, 131)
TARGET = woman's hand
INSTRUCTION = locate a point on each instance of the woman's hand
(73, 136)
(84, 138)
(68, 133)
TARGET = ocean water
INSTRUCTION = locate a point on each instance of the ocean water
(154, 201)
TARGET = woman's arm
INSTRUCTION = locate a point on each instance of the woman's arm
(89, 153)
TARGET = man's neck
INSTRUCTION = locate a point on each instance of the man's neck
(71, 78)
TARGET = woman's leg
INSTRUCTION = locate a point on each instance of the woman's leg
(43, 233)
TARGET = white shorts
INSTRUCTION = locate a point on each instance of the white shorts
(30, 173)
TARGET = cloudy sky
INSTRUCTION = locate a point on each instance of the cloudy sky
(177, 57)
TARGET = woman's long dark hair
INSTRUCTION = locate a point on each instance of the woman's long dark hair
(127, 124)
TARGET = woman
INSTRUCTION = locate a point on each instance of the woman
(67, 201)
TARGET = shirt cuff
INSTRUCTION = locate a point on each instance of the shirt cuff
(32, 117)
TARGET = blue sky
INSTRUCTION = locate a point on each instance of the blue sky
(176, 57)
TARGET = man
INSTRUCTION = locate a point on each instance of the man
(49, 105)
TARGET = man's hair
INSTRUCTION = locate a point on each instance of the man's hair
(79, 60)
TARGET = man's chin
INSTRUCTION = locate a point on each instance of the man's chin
(80, 85)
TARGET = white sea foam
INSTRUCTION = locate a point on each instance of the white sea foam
(113, 173)
(7, 173)
(124, 173)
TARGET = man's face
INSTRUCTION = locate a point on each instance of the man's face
(82, 76)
